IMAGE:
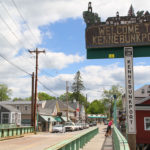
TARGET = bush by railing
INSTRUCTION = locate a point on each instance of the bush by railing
(119, 141)
(76, 142)
(15, 131)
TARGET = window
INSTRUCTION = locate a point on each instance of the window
(13, 117)
(147, 123)
(26, 107)
(5, 117)
(17, 107)
(142, 91)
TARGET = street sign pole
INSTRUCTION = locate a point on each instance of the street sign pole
(129, 83)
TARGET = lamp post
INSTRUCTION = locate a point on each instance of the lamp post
(114, 113)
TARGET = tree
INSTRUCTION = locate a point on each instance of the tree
(22, 99)
(96, 107)
(45, 96)
(63, 97)
(140, 13)
(108, 99)
(18, 99)
(77, 86)
(72, 96)
(131, 11)
(4, 92)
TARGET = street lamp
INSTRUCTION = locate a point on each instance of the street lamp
(114, 113)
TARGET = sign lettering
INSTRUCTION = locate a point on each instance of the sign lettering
(128, 54)
(120, 35)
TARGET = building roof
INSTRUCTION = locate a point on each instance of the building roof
(143, 100)
(19, 102)
(9, 108)
(45, 111)
(50, 104)
(63, 106)
(142, 92)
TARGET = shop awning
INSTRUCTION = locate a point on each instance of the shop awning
(58, 119)
(97, 116)
(65, 119)
(46, 118)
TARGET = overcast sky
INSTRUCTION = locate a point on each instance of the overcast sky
(58, 27)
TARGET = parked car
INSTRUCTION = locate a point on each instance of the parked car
(70, 126)
(83, 125)
(59, 128)
(90, 124)
(79, 125)
(94, 123)
(86, 125)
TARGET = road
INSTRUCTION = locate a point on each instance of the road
(40, 141)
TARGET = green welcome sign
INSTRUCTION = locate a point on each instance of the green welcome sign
(107, 39)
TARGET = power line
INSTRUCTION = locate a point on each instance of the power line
(45, 72)
(13, 45)
(48, 88)
(13, 20)
(14, 65)
(9, 27)
(11, 30)
(25, 21)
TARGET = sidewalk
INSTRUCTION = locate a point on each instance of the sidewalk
(97, 142)
(108, 144)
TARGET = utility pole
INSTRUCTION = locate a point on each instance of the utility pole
(67, 88)
(32, 101)
(37, 52)
(86, 117)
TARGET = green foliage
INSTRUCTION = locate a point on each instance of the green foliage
(18, 99)
(22, 99)
(4, 92)
(140, 13)
(96, 107)
(77, 86)
(63, 97)
(28, 98)
(44, 96)
(72, 96)
(108, 98)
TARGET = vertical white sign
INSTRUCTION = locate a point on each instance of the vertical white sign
(129, 82)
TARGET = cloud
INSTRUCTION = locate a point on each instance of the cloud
(58, 60)
(95, 79)
(22, 35)
(16, 36)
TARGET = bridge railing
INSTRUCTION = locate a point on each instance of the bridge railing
(119, 141)
(15, 131)
(2, 126)
(76, 142)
